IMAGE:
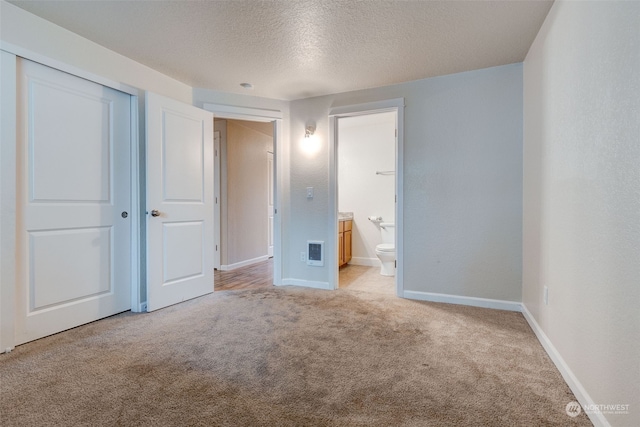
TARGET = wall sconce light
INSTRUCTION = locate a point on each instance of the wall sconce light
(309, 131)
(310, 144)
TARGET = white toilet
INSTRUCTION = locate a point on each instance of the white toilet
(386, 251)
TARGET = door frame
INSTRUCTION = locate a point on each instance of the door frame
(221, 111)
(391, 105)
(217, 198)
(271, 179)
(8, 174)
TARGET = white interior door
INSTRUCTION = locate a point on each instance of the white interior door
(270, 201)
(180, 231)
(73, 187)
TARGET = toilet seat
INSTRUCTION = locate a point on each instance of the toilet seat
(386, 247)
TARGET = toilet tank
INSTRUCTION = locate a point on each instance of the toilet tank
(388, 232)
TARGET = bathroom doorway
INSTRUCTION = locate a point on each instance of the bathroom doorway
(365, 159)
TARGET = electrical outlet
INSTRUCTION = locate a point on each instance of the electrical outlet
(546, 295)
(303, 256)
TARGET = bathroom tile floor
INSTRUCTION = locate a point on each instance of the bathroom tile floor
(367, 279)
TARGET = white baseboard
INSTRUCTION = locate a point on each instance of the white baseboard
(307, 284)
(244, 263)
(456, 299)
(597, 418)
(369, 262)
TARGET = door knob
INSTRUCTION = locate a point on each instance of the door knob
(155, 212)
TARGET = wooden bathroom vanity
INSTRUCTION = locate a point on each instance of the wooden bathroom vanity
(344, 240)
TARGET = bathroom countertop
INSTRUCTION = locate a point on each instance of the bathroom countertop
(345, 216)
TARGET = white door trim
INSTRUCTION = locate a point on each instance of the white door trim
(270, 203)
(136, 214)
(243, 113)
(8, 178)
(70, 69)
(217, 197)
(264, 115)
(391, 105)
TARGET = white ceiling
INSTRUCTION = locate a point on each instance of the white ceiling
(297, 49)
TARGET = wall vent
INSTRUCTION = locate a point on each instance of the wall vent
(315, 253)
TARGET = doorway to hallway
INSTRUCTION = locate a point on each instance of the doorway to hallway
(245, 222)
(252, 117)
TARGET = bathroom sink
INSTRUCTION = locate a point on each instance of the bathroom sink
(345, 216)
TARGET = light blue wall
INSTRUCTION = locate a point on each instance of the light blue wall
(462, 182)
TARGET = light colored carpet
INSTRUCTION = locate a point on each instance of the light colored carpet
(289, 357)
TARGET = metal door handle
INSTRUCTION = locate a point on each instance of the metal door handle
(155, 212)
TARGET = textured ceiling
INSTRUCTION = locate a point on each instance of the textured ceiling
(297, 49)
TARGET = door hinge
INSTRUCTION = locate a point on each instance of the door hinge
(216, 248)
(275, 211)
(216, 200)
(396, 133)
(395, 198)
(395, 263)
(216, 151)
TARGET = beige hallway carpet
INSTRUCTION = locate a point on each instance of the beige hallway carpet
(289, 357)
